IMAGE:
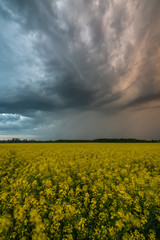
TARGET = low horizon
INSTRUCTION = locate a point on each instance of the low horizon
(17, 139)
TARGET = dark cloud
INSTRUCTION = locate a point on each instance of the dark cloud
(87, 59)
(145, 100)
(4, 13)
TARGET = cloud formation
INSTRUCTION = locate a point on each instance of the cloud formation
(80, 69)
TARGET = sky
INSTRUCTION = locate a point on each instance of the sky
(79, 69)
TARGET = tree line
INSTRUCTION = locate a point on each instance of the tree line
(98, 140)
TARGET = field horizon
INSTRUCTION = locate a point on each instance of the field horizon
(65, 140)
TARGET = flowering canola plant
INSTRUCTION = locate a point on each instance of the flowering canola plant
(80, 191)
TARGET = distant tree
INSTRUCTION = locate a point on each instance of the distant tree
(15, 140)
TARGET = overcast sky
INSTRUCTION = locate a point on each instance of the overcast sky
(79, 69)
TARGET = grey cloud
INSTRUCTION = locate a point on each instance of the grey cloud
(15, 123)
(71, 92)
(146, 99)
(25, 102)
(9, 118)
(94, 56)
(119, 23)
(4, 13)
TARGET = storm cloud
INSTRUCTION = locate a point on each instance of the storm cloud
(80, 69)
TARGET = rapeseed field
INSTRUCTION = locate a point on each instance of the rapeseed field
(80, 191)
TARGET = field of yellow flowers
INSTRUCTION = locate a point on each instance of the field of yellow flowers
(80, 191)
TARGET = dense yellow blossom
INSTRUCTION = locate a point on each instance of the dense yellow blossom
(80, 191)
